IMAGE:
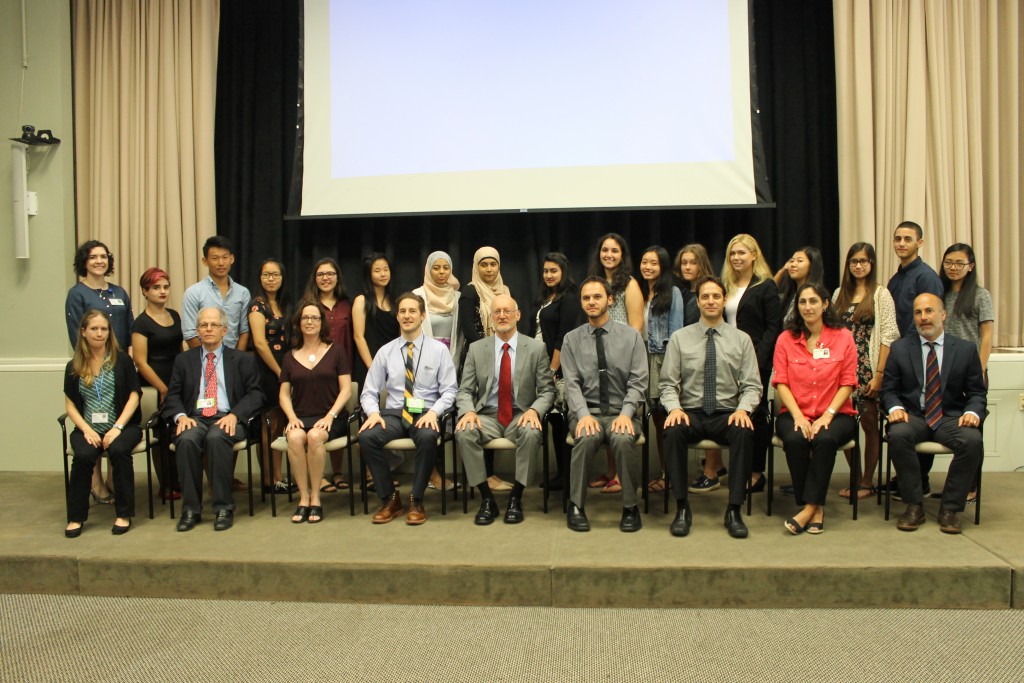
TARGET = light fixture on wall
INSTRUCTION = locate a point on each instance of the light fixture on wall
(25, 203)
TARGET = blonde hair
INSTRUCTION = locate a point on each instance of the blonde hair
(80, 363)
(761, 270)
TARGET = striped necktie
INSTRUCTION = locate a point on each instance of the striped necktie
(932, 388)
(410, 378)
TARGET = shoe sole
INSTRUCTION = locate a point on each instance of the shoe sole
(414, 522)
(392, 517)
(513, 520)
(695, 489)
(909, 527)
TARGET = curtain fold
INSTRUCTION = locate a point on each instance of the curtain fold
(145, 87)
(930, 112)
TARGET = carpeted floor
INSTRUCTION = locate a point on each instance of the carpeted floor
(76, 638)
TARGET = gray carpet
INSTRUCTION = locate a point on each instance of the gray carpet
(75, 638)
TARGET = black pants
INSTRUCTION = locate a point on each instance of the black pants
(83, 463)
(219, 448)
(372, 442)
(717, 428)
(811, 462)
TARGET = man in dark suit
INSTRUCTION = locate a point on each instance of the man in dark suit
(933, 391)
(213, 392)
(507, 385)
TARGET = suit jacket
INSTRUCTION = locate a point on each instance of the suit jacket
(759, 314)
(241, 375)
(963, 388)
(532, 381)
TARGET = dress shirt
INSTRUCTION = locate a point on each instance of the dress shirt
(206, 294)
(223, 404)
(434, 379)
(492, 400)
(815, 381)
(736, 374)
(627, 369)
(915, 278)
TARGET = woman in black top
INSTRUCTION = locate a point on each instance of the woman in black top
(101, 397)
(558, 311)
(373, 316)
(156, 342)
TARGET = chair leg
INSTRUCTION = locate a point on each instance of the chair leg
(855, 478)
(351, 480)
(149, 474)
(544, 467)
(888, 480)
(248, 464)
(770, 484)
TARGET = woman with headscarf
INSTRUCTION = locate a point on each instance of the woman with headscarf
(440, 292)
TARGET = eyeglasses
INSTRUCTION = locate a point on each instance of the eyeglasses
(955, 265)
(209, 326)
(310, 318)
(271, 276)
(859, 261)
(327, 274)
(498, 312)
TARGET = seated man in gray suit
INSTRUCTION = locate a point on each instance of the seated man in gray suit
(507, 385)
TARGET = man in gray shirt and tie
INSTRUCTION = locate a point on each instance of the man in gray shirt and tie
(709, 386)
(604, 364)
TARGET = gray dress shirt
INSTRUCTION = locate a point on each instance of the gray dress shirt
(736, 374)
(434, 376)
(627, 369)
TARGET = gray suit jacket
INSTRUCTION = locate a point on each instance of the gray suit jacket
(532, 381)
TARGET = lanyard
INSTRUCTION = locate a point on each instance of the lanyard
(100, 380)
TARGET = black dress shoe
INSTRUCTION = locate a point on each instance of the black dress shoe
(225, 519)
(681, 524)
(630, 519)
(488, 511)
(734, 523)
(514, 513)
(120, 530)
(188, 520)
(577, 519)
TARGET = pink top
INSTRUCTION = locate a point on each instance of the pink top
(815, 381)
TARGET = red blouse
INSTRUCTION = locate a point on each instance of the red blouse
(815, 381)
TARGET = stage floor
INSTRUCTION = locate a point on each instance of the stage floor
(449, 560)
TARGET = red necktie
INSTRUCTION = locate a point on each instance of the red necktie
(505, 387)
(211, 385)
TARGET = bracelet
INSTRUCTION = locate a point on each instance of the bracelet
(334, 416)
(118, 427)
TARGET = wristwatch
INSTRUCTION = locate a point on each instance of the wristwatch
(830, 410)
(333, 415)
(118, 427)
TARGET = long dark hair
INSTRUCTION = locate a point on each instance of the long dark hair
(815, 273)
(866, 308)
(313, 292)
(965, 302)
(796, 324)
(565, 285)
(369, 291)
(622, 274)
(662, 300)
(325, 328)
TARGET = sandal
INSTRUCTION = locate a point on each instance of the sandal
(862, 492)
(794, 527)
(600, 482)
(613, 486)
(338, 480)
(302, 512)
(656, 485)
(103, 500)
(327, 487)
(315, 511)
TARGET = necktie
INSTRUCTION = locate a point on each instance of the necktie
(505, 387)
(210, 390)
(409, 381)
(932, 388)
(710, 377)
(602, 371)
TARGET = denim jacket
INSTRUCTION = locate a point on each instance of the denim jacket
(660, 327)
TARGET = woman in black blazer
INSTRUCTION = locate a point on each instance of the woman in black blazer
(757, 311)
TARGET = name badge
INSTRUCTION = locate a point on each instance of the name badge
(116, 302)
(820, 353)
(99, 419)
(414, 405)
(206, 403)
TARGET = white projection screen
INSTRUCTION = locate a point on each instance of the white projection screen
(455, 106)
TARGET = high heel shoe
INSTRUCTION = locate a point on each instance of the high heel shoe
(759, 486)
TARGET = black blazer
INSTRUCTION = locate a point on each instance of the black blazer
(240, 374)
(126, 382)
(963, 387)
(759, 314)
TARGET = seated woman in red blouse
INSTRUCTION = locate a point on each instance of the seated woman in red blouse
(316, 383)
(815, 374)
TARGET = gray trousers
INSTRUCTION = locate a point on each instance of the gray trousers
(471, 447)
(623, 450)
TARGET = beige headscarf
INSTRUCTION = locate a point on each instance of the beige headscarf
(439, 299)
(487, 292)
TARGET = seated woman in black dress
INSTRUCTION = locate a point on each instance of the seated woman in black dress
(101, 396)
(156, 341)
(316, 383)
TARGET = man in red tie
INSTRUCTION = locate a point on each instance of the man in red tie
(506, 387)
(213, 391)
(933, 391)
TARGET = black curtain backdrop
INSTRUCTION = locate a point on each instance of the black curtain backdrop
(257, 86)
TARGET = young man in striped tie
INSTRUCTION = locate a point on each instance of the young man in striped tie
(418, 376)
(933, 390)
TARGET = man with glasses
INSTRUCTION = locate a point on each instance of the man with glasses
(416, 374)
(507, 385)
(213, 392)
(913, 277)
(217, 290)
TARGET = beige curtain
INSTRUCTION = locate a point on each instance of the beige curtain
(930, 111)
(145, 82)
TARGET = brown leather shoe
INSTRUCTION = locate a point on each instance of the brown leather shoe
(911, 519)
(416, 514)
(948, 523)
(389, 509)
